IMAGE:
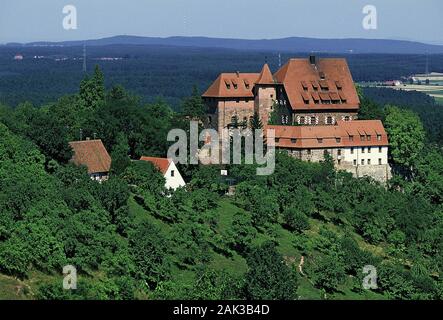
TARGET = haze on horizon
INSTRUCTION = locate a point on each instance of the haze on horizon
(416, 20)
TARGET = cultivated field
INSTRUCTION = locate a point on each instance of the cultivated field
(435, 91)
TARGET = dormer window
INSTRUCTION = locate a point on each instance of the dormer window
(293, 140)
(338, 85)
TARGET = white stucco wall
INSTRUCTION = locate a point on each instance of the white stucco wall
(176, 181)
(374, 155)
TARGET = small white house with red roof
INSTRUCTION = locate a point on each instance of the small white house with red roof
(169, 170)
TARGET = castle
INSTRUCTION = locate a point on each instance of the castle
(316, 106)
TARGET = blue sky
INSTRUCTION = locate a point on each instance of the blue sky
(28, 20)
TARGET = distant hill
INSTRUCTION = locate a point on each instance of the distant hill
(293, 44)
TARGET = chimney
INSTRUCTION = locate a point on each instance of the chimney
(312, 59)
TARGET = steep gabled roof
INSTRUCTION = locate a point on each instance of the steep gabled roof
(92, 154)
(328, 79)
(265, 76)
(232, 85)
(162, 164)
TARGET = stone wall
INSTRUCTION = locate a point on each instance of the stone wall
(264, 101)
(242, 109)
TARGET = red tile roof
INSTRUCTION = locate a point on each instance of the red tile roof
(344, 134)
(162, 164)
(329, 79)
(92, 154)
(224, 87)
(298, 74)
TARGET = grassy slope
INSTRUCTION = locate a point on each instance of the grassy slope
(237, 264)
(11, 288)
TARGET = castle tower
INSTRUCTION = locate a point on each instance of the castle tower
(265, 94)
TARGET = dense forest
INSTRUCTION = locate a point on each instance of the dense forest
(304, 232)
(170, 72)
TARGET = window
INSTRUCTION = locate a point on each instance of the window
(235, 86)
(277, 140)
(379, 137)
(308, 151)
(369, 161)
(369, 149)
(351, 138)
(320, 140)
(368, 138)
(339, 152)
(313, 120)
(347, 118)
(272, 96)
(172, 173)
(379, 160)
(339, 161)
(362, 162)
(329, 120)
(352, 150)
(238, 100)
(325, 153)
(362, 138)
(362, 150)
(293, 140)
(338, 140)
(379, 149)
(355, 162)
(302, 120)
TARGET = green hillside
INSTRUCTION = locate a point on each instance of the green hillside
(129, 238)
